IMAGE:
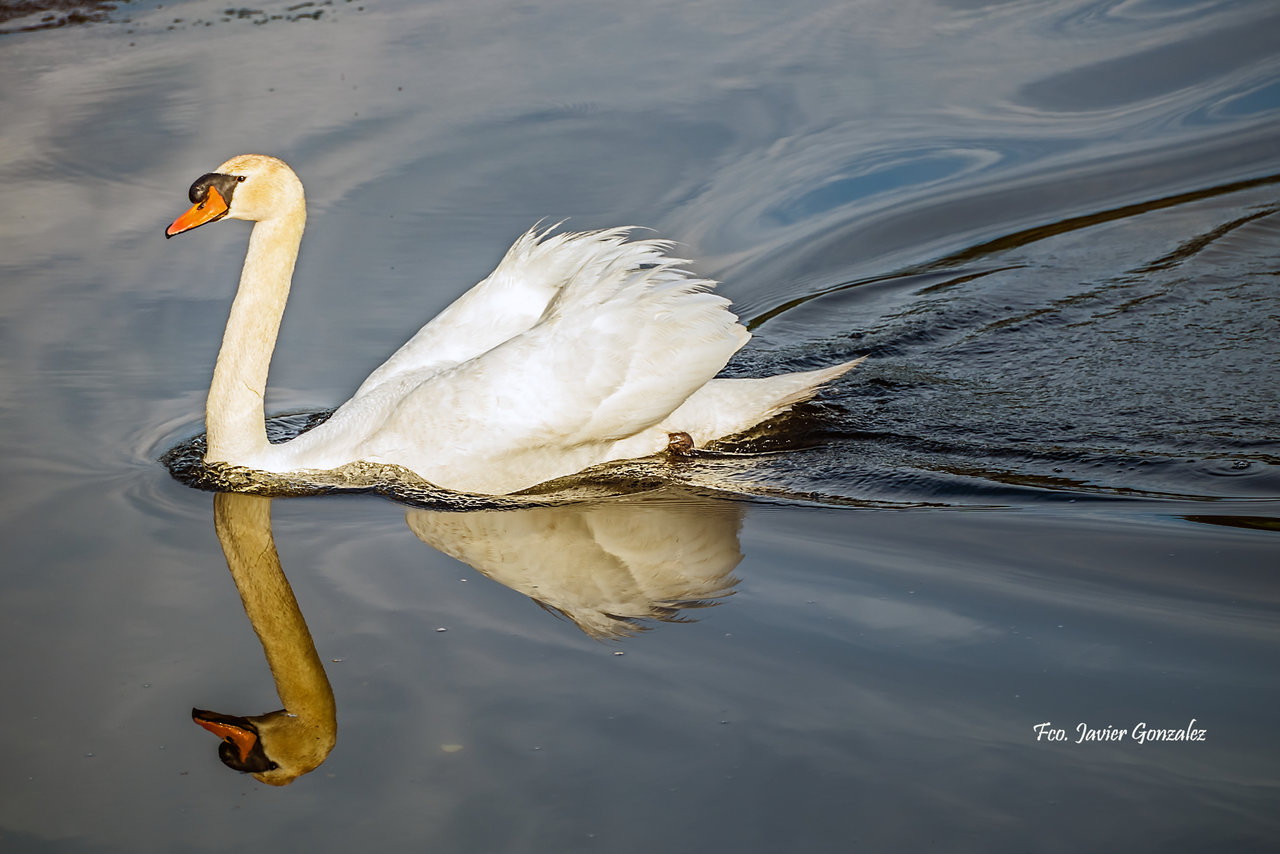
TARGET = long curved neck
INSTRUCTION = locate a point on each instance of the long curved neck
(234, 414)
(303, 736)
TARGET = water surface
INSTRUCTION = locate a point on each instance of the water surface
(1048, 496)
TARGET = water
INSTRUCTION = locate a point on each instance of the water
(1048, 496)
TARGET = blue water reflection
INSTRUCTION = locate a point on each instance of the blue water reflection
(1048, 495)
(872, 177)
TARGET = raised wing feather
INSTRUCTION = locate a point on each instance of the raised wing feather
(621, 344)
(512, 298)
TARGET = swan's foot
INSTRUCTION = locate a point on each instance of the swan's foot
(679, 444)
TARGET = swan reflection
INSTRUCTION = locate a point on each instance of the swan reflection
(608, 567)
(276, 747)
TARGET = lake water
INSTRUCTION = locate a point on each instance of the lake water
(1051, 495)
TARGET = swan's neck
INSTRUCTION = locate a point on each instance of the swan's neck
(306, 730)
(234, 414)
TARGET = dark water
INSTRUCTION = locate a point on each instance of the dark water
(1048, 496)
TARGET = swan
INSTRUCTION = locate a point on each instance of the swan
(607, 567)
(579, 349)
(610, 566)
(280, 746)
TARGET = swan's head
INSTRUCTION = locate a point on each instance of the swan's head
(276, 748)
(249, 186)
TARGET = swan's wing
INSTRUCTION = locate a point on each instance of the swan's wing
(512, 298)
(613, 355)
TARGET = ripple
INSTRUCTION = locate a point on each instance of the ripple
(1147, 76)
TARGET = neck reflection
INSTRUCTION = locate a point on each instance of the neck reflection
(280, 746)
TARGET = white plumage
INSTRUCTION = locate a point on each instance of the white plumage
(578, 349)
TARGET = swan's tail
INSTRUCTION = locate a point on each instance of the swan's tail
(724, 407)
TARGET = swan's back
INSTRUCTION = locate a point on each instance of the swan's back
(534, 271)
(575, 343)
(646, 335)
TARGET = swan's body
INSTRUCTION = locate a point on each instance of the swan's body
(578, 349)
(609, 566)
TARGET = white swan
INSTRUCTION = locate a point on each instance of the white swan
(609, 566)
(578, 349)
(279, 746)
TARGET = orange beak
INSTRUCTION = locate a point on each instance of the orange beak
(214, 207)
(241, 737)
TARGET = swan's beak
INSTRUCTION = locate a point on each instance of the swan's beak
(214, 207)
(240, 733)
